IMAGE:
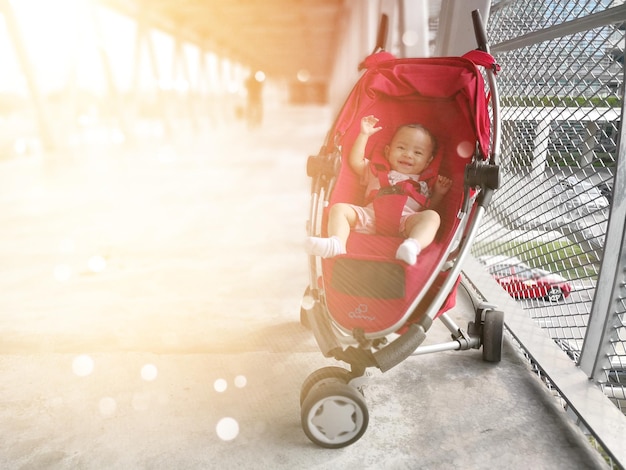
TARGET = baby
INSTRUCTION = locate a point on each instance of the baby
(411, 150)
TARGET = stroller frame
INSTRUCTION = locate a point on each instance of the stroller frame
(331, 388)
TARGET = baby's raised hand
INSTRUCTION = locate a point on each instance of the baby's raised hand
(368, 125)
(442, 185)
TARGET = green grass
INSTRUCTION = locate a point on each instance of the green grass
(562, 257)
(562, 101)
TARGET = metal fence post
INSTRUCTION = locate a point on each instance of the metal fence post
(611, 287)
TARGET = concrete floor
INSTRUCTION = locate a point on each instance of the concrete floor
(149, 318)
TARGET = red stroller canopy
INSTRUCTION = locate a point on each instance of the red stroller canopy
(445, 94)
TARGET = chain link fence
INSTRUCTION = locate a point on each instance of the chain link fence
(557, 222)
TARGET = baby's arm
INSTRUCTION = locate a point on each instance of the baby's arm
(441, 187)
(356, 158)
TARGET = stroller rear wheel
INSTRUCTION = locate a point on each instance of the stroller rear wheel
(334, 415)
(324, 376)
(554, 295)
(492, 335)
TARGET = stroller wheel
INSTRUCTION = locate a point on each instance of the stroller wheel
(492, 335)
(323, 376)
(334, 415)
(554, 295)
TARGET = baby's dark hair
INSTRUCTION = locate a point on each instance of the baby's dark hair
(433, 140)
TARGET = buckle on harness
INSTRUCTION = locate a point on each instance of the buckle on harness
(387, 190)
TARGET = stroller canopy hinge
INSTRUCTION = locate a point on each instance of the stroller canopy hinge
(480, 175)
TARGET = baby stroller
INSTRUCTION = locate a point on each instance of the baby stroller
(366, 308)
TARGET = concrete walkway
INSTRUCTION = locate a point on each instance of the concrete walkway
(149, 318)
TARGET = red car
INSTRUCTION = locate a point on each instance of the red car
(523, 282)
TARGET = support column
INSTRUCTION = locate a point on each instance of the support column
(108, 73)
(589, 144)
(180, 63)
(145, 36)
(43, 120)
(203, 83)
(540, 148)
(608, 301)
(135, 85)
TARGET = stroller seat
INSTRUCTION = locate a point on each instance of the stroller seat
(368, 289)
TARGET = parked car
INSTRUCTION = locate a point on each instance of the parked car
(606, 189)
(577, 196)
(524, 282)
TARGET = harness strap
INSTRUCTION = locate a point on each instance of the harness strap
(389, 201)
(407, 187)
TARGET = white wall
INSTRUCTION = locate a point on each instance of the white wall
(407, 37)
(456, 32)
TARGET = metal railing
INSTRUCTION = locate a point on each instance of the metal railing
(555, 234)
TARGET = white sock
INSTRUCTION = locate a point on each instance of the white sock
(324, 247)
(408, 251)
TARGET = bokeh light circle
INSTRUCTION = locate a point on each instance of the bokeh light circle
(303, 75)
(227, 429)
(97, 264)
(241, 381)
(410, 38)
(465, 149)
(220, 385)
(308, 301)
(149, 372)
(82, 365)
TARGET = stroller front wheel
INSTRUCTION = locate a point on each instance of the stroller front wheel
(325, 375)
(334, 415)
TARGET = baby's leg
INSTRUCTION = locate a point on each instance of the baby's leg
(421, 229)
(341, 219)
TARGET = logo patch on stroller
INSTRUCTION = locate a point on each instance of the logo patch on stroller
(360, 313)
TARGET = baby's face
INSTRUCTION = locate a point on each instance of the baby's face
(410, 151)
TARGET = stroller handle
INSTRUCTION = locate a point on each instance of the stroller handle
(381, 39)
(481, 40)
(479, 31)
